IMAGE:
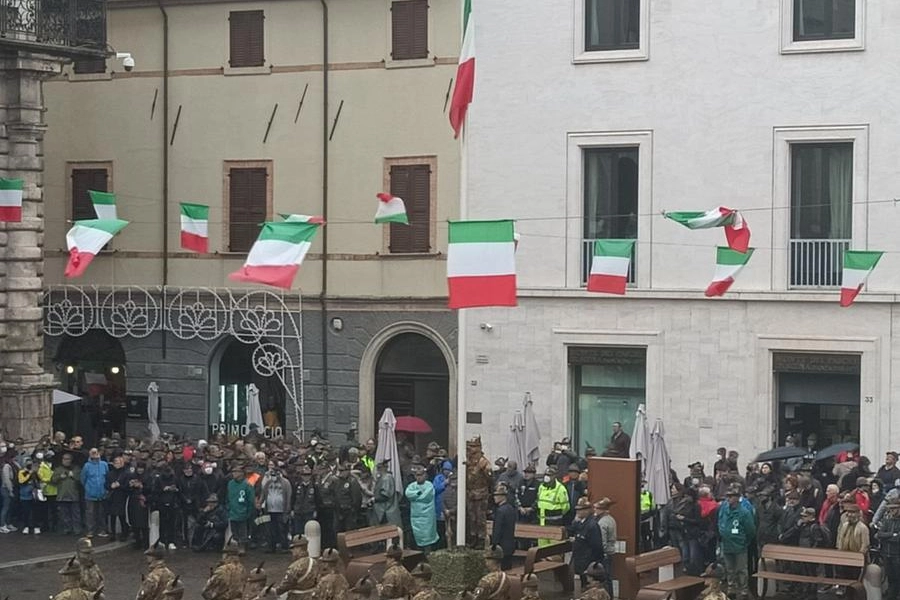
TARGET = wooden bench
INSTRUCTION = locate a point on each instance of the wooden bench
(814, 556)
(540, 559)
(682, 587)
(358, 562)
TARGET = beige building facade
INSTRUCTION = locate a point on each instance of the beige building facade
(257, 128)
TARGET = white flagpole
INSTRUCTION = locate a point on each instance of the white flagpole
(461, 366)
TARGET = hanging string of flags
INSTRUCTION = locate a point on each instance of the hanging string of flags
(481, 268)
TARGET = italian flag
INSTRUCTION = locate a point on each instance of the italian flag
(391, 209)
(609, 268)
(857, 266)
(465, 73)
(11, 200)
(294, 218)
(195, 227)
(736, 230)
(104, 204)
(277, 253)
(86, 239)
(481, 264)
(728, 264)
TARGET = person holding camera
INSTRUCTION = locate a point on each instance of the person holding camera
(28, 481)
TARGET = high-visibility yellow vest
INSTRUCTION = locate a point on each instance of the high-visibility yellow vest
(646, 501)
(369, 462)
(553, 498)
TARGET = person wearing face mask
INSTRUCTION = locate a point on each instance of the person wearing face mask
(275, 499)
(213, 479)
(552, 502)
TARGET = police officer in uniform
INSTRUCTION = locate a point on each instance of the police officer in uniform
(304, 508)
(596, 589)
(91, 575)
(347, 499)
(227, 580)
(159, 575)
(71, 584)
(332, 584)
(397, 582)
(256, 583)
(299, 580)
(495, 585)
(526, 496)
(422, 576)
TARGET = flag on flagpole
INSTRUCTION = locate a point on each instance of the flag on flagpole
(481, 264)
(737, 232)
(728, 264)
(858, 264)
(86, 239)
(465, 73)
(295, 218)
(195, 227)
(610, 265)
(104, 204)
(277, 253)
(391, 209)
(11, 200)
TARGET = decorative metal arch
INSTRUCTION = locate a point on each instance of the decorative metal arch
(262, 318)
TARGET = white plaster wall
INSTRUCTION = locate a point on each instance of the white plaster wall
(705, 359)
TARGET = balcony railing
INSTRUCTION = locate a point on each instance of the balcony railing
(817, 263)
(66, 27)
(587, 255)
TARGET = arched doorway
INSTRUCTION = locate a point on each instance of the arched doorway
(231, 372)
(92, 366)
(412, 378)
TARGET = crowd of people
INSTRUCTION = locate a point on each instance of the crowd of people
(261, 493)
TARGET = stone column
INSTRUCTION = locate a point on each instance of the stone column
(25, 388)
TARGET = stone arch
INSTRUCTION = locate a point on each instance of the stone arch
(368, 422)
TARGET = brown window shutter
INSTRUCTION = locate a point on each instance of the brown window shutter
(409, 29)
(246, 206)
(82, 181)
(413, 184)
(246, 38)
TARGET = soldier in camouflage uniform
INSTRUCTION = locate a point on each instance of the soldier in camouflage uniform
(71, 589)
(397, 582)
(159, 576)
(530, 587)
(479, 481)
(174, 590)
(91, 576)
(332, 584)
(424, 590)
(299, 580)
(365, 589)
(495, 585)
(256, 583)
(227, 580)
(596, 589)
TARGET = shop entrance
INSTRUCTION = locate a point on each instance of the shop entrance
(817, 393)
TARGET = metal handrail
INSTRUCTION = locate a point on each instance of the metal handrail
(587, 255)
(816, 263)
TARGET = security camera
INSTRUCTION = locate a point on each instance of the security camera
(127, 60)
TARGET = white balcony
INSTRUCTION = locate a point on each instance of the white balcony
(587, 255)
(817, 263)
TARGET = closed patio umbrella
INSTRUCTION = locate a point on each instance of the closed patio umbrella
(658, 473)
(153, 410)
(254, 411)
(515, 446)
(532, 435)
(387, 447)
(640, 438)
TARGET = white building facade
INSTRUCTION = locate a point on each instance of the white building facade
(591, 118)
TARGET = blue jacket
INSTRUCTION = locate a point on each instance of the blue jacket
(93, 479)
(440, 484)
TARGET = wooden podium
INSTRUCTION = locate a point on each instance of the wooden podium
(619, 479)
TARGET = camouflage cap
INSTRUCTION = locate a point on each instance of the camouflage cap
(395, 552)
(70, 568)
(84, 546)
(493, 553)
(365, 585)
(232, 548)
(596, 571)
(256, 575)
(530, 581)
(422, 571)
(330, 555)
(174, 589)
(299, 542)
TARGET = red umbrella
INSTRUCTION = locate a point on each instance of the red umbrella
(412, 425)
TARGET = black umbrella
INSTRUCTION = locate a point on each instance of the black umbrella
(835, 449)
(781, 453)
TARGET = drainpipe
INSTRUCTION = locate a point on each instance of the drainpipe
(165, 165)
(324, 293)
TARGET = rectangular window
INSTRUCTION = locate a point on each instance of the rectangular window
(84, 179)
(824, 20)
(89, 65)
(610, 200)
(612, 25)
(412, 183)
(246, 38)
(248, 195)
(409, 29)
(821, 211)
(609, 383)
